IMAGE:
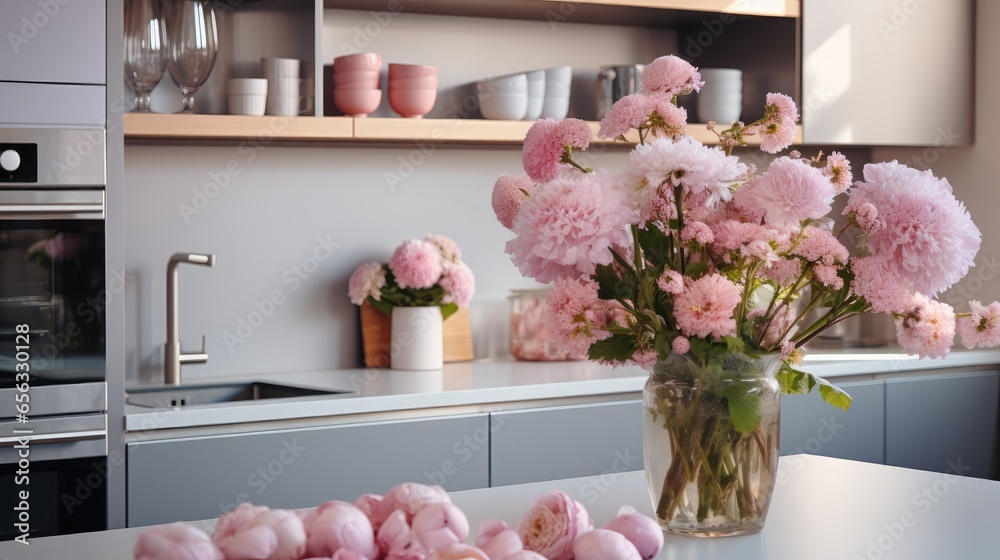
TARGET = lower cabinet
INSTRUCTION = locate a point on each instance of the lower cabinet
(200, 478)
(565, 442)
(944, 423)
(809, 425)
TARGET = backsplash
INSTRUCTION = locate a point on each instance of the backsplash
(289, 225)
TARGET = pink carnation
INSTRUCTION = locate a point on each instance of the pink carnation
(459, 284)
(706, 307)
(509, 194)
(928, 329)
(576, 318)
(929, 237)
(631, 111)
(788, 193)
(446, 246)
(699, 232)
(838, 169)
(546, 142)
(982, 328)
(880, 285)
(680, 345)
(819, 245)
(671, 282)
(568, 227)
(367, 281)
(416, 264)
(671, 75)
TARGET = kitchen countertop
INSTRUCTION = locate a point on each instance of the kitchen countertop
(483, 383)
(823, 509)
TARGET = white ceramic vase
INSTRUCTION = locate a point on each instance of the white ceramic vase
(417, 338)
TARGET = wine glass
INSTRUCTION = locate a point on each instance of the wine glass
(194, 44)
(145, 48)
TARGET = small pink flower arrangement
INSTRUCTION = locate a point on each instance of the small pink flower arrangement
(420, 273)
(692, 253)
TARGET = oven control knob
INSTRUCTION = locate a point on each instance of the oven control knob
(10, 160)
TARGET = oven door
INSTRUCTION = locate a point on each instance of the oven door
(52, 287)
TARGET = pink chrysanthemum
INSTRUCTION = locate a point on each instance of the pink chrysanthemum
(928, 329)
(672, 121)
(838, 169)
(868, 219)
(783, 106)
(684, 162)
(547, 141)
(827, 274)
(698, 232)
(780, 327)
(880, 285)
(671, 75)
(542, 151)
(367, 280)
(459, 284)
(929, 237)
(680, 345)
(706, 307)
(509, 194)
(568, 227)
(416, 264)
(788, 193)
(575, 316)
(819, 245)
(982, 329)
(646, 359)
(783, 271)
(446, 246)
(775, 135)
(631, 111)
(671, 282)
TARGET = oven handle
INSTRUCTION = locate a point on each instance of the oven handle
(48, 205)
(54, 438)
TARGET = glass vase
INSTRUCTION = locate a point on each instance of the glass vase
(708, 475)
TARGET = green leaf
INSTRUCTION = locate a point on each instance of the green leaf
(617, 347)
(696, 270)
(833, 395)
(612, 287)
(744, 407)
(448, 309)
(382, 305)
(655, 245)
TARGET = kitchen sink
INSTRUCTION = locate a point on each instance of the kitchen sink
(167, 396)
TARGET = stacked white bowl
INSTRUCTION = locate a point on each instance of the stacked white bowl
(504, 98)
(536, 94)
(247, 96)
(721, 99)
(557, 87)
(282, 85)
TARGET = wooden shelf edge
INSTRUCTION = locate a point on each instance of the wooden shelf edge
(369, 130)
(772, 8)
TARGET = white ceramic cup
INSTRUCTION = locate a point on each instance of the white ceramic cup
(247, 96)
(280, 67)
(721, 109)
(283, 105)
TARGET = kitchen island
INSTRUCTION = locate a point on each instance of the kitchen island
(823, 509)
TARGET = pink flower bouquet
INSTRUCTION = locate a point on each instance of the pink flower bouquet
(691, 256)
(420, 273)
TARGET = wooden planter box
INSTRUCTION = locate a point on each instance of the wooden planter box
(376, 336)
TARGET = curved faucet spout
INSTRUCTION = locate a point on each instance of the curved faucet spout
(173, 357)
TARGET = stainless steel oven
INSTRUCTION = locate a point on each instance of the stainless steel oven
(53, 348)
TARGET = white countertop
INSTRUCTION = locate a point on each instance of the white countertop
(823, 509)
(484, 383)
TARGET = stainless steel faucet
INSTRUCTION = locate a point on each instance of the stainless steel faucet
(173, 356)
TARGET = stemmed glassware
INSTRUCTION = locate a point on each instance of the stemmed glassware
(194, 44)
(145, 48)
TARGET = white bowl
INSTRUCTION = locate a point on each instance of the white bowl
(562, 75)
(504, 106)
(555, 108)
(534, 108)
(517, 83)
(733, 98)
(247, 86)
(720, 111)
(721, 74)
(247, 104)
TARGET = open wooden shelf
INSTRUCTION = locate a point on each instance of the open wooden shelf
(232, 128)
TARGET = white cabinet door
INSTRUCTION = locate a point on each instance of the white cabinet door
(56, 41)
(887, 72)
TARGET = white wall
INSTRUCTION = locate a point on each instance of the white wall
(972, 170)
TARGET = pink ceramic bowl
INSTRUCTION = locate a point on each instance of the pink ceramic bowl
(412, 103)
(358, 76)
(361, 61)
(357, 102)
(430, 82)
(411, 71)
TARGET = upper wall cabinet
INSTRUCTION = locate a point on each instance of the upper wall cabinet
(887, 72)
(56, 41)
